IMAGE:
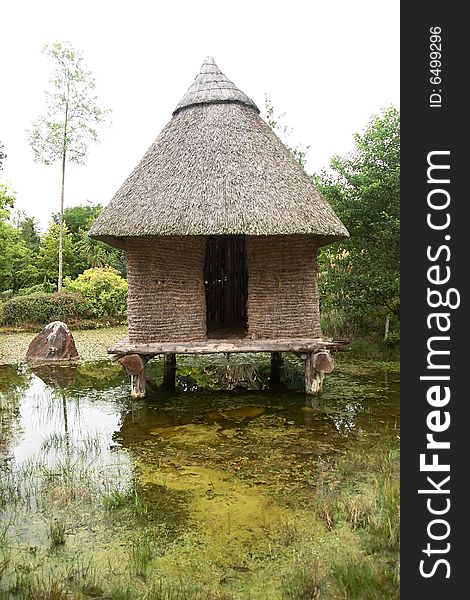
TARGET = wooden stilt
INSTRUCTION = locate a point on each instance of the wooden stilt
(169, 371)
(316, 365)
(134, 364)
(276, 364)
(138, 385)
(313, 378)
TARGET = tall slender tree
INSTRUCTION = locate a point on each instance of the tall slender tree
(64, 132)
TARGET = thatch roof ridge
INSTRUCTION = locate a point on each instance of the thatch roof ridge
(211, 86)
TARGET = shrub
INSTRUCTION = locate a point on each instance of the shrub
(40, 288)
(104, 290)
(44, 308)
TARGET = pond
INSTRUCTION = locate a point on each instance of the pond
(202, 492)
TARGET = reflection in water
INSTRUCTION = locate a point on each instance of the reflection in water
(54, 435)
(45, 412)
(212, 474)
(77, 402)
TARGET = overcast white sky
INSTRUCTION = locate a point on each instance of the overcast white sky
(327, 65)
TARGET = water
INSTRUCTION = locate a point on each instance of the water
(183, 487)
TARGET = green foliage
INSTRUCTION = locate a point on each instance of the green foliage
(49, 254)
(358, 578)
(44, 308)
(80, 217)
(40, 288)
(11, 246)
(19, 241)
(97, 254)
(360, 275)
(29, 259)
(29, 231)
(87, 252)
(302, 582)
(104, 290)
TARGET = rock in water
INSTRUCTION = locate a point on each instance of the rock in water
(55, 342)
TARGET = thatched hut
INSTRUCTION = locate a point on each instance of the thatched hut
(221, 227)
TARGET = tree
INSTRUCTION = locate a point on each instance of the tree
(8, 236)
(2, 156)
(19, 244)
(25, 268)
(49, 252)
(79, 218)
(361, 273)
(284, 132)
(28, 229)
(66, 129)
(88, 252)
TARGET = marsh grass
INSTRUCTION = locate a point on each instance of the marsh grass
(384, 523)
(302, 582)
(36, 588)
(55, 442)
(357, 578)
(117, 499)
(5, 556)
(130, 498)
(288, 533)
(56, 533)
(141, 554)
(77, 581)
(358, 512)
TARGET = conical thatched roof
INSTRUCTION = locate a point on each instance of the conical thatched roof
(217, 169)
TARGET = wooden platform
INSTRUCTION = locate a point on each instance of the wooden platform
(213, 346)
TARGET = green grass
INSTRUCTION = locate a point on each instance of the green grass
(358, 578)
(302, 583)
(141, 554)
(56, 533)
(384, 522)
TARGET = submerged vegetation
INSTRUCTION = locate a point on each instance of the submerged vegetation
(235, 494)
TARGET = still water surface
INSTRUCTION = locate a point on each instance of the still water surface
(212, 474)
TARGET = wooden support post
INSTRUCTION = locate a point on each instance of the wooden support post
(275, 376)
(169, 371)
(138, 385)
(134, 364)
(316, 365)
(313, 379)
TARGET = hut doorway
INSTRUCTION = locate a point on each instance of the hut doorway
(226, 283)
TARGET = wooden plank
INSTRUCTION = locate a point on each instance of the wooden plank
(298, 345)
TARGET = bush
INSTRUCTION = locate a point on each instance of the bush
(44, 308)
(104, 290)
(40, 288)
